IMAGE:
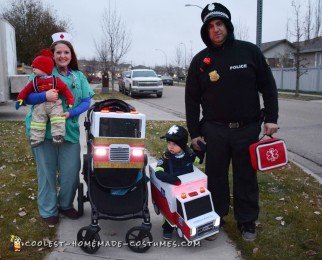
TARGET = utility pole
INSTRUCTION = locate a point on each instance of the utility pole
(259, 23)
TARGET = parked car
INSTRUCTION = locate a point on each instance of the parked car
(94, 79)
(143, 82)
(167, 80)
(121, 81)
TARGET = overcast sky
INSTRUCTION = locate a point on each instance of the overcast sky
(164, 24)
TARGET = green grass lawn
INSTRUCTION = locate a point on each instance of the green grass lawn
(111, 94)
(290, 218)
(290, 224)
(302, 96)
(18, 194)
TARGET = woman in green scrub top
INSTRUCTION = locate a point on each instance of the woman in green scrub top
(62, 161)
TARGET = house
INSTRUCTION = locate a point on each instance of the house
(279, 53)
(311, 52)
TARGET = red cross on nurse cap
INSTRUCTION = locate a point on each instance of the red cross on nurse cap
(61, 36)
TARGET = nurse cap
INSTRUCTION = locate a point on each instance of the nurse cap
(61, 36)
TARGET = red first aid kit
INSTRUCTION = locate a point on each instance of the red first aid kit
(268, 154)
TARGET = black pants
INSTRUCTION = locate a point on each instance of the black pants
(223, 146)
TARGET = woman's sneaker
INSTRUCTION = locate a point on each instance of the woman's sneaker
(53, 220)
(69, 213)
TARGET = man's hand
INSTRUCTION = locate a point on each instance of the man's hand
(52, 95)
(194, 143)
(270, 128)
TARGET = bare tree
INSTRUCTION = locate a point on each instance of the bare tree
(297, 32)
(287, 33)
(189, 57)
(103, 57)
(308, 21)
(34, 24)
(241, 31)
(115, 41)
(178, 60)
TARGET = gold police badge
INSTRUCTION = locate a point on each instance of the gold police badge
(214, 76)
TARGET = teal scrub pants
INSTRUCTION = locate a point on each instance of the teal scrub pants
(57, 165)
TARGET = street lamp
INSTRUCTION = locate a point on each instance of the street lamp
(187, 5)
(166, 59)
(185, 55)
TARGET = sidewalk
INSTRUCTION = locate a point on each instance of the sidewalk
(115, 231)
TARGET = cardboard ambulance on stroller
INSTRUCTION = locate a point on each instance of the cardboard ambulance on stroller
(114, 172)
(187, 207)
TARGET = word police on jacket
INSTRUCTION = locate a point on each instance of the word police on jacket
(236, 67)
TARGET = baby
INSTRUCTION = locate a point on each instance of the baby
(44, 80)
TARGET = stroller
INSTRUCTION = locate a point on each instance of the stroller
(114, 171)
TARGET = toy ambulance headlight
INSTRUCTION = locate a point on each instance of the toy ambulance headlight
(183, 195)
(100, 151)
(217, 222)
(193, 231)
(137, 152)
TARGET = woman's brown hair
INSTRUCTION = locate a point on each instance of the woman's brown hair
(73, 62)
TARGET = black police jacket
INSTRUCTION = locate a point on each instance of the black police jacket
(227, 86)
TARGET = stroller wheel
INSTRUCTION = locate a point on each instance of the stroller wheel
(139, 239)
(88, 241)
(80, 199)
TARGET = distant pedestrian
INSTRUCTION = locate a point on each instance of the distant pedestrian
(64, 159)
(225, 80)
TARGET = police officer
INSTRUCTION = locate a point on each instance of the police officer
(225, 79)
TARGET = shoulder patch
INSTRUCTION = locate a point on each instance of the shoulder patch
(160, 162)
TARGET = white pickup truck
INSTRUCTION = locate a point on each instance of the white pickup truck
(143, 82)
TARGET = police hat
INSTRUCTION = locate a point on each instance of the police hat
(211, 12)
(178, 135)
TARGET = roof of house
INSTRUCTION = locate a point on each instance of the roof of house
(265, 46)
(312, 45)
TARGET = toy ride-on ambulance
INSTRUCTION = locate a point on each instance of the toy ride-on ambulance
(188, 207)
